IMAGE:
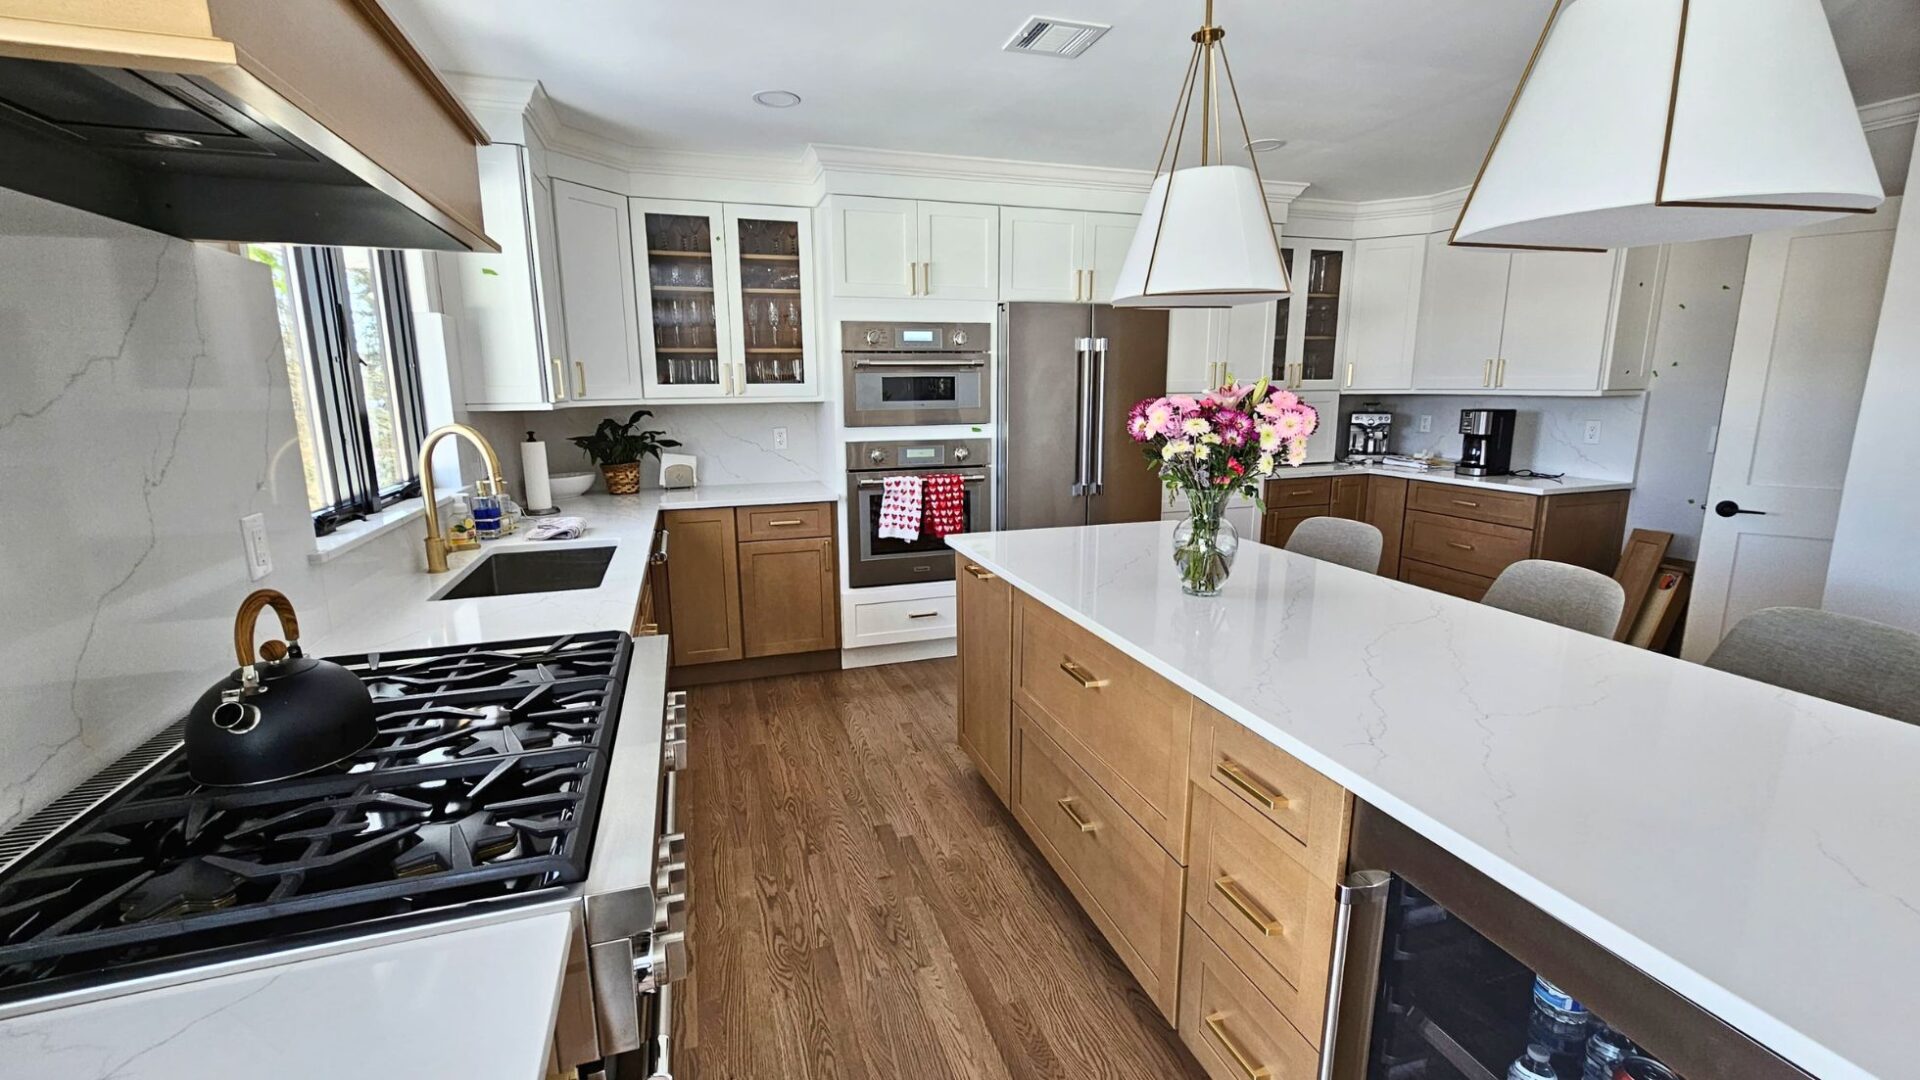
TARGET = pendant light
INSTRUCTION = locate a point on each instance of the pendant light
(1654, 121)
(1206, 237)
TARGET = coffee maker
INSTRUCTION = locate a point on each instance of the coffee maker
(1367, 432)
(1486, 442)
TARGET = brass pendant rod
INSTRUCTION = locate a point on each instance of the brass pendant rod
(1182, 108)
(1246, 134)
(1186, 84)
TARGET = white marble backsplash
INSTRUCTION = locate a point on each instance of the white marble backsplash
(1549, 433)
(735, 443)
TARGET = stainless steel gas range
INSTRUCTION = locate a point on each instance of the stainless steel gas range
(510, 783)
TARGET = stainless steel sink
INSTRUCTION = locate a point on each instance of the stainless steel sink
(508, 573)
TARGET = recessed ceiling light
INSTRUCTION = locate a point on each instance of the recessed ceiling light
(1261, 146)
(777, 99)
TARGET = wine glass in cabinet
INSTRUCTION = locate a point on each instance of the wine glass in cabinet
(682, 281)
(772, 275)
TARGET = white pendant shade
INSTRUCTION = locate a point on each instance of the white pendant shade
(1763, 129)
(1205, 240)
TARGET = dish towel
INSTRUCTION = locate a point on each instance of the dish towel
(560, 528)
(946, 500)
(900, 508)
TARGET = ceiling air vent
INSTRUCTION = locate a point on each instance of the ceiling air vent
(1042, 36)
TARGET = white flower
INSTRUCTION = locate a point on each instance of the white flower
(1194, 425)
(1175, 449)
(1265, 466)
(1269, 438)
(1210, 439)
(1297, 450)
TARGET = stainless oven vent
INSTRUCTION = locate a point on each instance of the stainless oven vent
(1042, 36)
(43, 825)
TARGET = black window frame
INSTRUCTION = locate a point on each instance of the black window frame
(345, 439)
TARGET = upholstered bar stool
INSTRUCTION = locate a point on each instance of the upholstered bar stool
(1572, 596)
(1856, 662)
(1337, 540)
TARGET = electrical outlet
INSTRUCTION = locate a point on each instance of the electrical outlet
(1593, 432)
(779, 438)
(253, 534)
(1426, 424)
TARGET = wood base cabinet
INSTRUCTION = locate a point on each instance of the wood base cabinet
(1233, 1030)
(703, 570)
(741, 597)
(985, 700)
(791, 593)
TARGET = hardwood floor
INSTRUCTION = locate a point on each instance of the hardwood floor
(861, 906)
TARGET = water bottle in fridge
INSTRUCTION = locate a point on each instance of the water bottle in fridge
(1558, 1023)
(1605, 1049)
(1535, 1064)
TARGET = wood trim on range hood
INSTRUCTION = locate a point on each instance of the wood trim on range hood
(327, 125)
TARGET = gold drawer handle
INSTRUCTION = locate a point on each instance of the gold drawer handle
(924, 615)
(981, 572)
(1302, 491)
(1465, 502)
(649, 629)
(1263, 922)
(785, 523)
(1079, 822)
(1216, 1023)
(1079, 675)
(1458, 546)
(1233, 774)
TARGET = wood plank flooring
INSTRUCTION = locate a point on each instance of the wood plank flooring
(862, 906)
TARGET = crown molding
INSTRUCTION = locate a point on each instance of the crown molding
(856, 160)
(1892, 112)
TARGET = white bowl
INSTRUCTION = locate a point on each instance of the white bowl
(568, 485)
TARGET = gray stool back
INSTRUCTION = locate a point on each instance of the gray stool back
(1867, 665)
(1571, 596)
(1336, 540)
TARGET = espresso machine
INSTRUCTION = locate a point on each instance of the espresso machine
(1486, 442)
(1367, 432)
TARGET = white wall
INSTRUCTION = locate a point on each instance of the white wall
(1874, 572)
(1692, 355)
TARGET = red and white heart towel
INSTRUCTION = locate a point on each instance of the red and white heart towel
(900, 512)
(946, 503)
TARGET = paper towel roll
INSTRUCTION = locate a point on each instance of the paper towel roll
(533, 465)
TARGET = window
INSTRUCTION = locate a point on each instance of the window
(348, 336)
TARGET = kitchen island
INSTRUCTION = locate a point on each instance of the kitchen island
(1746, 846)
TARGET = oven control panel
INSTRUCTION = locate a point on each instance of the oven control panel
(894, 337)
(888, 456)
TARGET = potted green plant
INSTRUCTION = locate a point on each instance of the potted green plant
(618, 448)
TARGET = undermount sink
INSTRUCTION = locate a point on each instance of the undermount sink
(508, 573)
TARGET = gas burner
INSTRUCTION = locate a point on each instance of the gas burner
(483, 782)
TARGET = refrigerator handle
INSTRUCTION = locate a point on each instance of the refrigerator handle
(1359, 924)
(1097, 420)
(1083, 406)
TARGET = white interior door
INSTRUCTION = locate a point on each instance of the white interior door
(1800, 354)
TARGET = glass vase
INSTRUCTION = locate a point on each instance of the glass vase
(1204, 544)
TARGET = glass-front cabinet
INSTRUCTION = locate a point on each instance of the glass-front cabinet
(1310, 326)
(724, 293)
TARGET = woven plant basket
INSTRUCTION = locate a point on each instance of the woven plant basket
(622, 479)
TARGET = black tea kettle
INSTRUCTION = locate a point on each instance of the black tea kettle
(282, 717)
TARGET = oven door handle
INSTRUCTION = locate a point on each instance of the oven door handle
(918, 362)
(974, 478)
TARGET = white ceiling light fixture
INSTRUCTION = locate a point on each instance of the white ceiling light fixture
(777, 99)
(1206, 237)
(1656, 121)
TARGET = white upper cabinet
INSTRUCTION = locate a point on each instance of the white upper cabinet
(1196, 349)
(959, 250)
(1107, 238)
(508, 304)
(1463, 298)
(596, 293)
(1310, 326)
(1555, 333)
(1643, 283)
(770, 273)
(1251, 332)
(898, 248)
(1382, 312)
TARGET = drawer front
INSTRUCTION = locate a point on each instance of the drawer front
(1299, 811)
(1317, 491)
(1474, 504)
(905, 616)
(1470, 546)
(1233, 1031)
(1440, 579)
(1128, 885)
(1129, 728)
(795, 521)
(1269, 914)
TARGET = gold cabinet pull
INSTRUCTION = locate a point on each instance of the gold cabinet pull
(1500, 373)
(1486, 372)
(1242, 903)
(981, 573)
(580, 367)
(559, 380)
(785, 523)
(1089, 284)
(1216, 1023)
(1079, 675)
(1349, 374)
(1301, 491)
(1466, 502)
(1232, 773)
(1079, 822)
(1458, 546)
(649, 629)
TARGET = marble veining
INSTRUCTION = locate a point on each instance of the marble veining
(1748, 846)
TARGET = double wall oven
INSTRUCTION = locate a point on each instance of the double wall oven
(916, 373)
(873, 560)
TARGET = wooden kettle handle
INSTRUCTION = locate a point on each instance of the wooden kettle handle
(247, 621)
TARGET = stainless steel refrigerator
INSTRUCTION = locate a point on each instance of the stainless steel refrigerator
(1068, 375)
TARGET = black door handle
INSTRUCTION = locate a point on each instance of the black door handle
(1728, 508)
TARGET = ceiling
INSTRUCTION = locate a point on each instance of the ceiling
(1376, 98)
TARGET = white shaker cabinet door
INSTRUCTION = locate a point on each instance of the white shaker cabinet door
(1463, 299)
(1559, 304)
(959, 249)
(1383, 310)
(597, 293)
(1196, 349)
(875, 246)
(1040, 254)
(1250, 332)
(1107, 238)
(505, 354)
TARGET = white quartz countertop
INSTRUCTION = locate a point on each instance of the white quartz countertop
(1750, 847)
(1566, 485)
(390, 607)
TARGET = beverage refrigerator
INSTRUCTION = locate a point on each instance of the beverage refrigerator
(1438, 971)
